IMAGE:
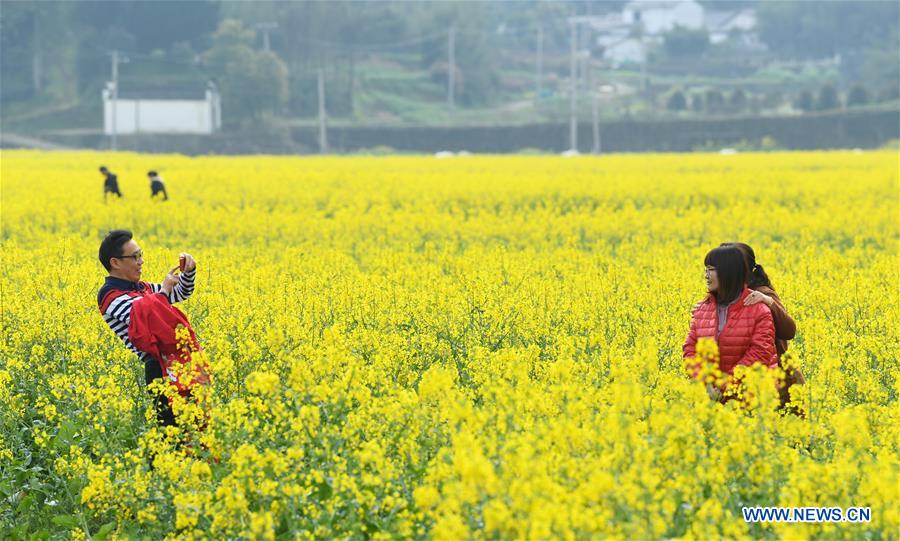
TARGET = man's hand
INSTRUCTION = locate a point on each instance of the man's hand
(189, 263)
(170, 280)
(755, 297)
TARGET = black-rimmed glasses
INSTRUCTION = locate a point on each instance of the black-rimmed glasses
(136, 256)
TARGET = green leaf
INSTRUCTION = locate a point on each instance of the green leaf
(75, 486)
(130, 531)
(19, 533)
(65, 520)
(103, 532)
(25, 504)
(66, 434)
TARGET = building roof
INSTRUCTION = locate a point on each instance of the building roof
(728, 20)
(181, 91)
(641, 5)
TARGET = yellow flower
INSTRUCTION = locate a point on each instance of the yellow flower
(479, 348)
(426, 497)
(262, 383)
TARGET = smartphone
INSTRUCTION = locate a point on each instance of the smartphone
(181, 263)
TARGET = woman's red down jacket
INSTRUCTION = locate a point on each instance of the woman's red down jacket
(748, 336)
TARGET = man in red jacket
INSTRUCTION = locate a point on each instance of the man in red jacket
(124, 260)
(745, 334)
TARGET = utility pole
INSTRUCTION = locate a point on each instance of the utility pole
(37, 64)
(114, 95)
(587, 72)
(540, 61)
(595, 115)
(323, 134)
(643, 68)
(266, 27)
(451, 68)
(573, 84)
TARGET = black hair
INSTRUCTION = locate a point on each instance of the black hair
(731, 270)
(103, 169)
(151, 173)
(756, 276)
(112, 246)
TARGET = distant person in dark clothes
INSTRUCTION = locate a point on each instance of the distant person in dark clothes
(110, 184)
(157, 186)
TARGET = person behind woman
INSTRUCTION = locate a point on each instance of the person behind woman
(785, 328)
(745, 333)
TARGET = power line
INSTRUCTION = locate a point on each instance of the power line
(376, 46)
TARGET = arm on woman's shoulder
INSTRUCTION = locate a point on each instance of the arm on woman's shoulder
(785, 327)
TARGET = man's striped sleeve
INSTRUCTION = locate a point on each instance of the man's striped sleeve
(116, 309)
(182, 290)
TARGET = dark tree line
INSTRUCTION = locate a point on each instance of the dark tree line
(58, 51)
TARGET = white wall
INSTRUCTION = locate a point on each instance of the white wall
(661, 17)
(631, 50)
(160, 116)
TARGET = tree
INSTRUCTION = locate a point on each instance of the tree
(272, 79)
(697, 103)
(772, 99)
(738, 100)
(332, 36)
(715, 101)
(135, 27)
(805, 101)
(475, 52)
(153, 25)
(822, 29)
(676, 101)
(828, 99)
(857, 96)
(16, 63)
(881, 69)
(889, 93)
(251, 82)
(683, 42)
(38, 46)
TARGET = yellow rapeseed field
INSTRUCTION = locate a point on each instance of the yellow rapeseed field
(473, 348)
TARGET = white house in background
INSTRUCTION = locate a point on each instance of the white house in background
(660, 16)
(188, 110)
(618, 39)
(627, 50)
(722, 25)
(625, 37)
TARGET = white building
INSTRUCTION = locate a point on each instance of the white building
(723, 25)
(660, 16)
(191, 110)
(619, 40)
(626, 37)
(626, 50)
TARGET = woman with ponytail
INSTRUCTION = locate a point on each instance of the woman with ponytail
(785, 328)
